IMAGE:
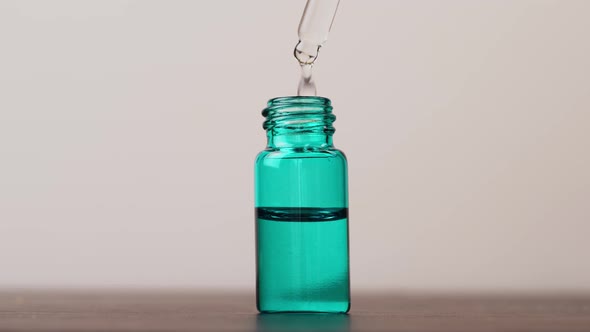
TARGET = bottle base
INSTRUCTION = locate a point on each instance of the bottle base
(301, 321)
(306, 308)
(302, 312)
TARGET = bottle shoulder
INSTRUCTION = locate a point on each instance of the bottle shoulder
(301, 153)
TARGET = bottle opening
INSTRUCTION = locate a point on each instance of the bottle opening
(294, 103)
(299, 113)
(299, 116)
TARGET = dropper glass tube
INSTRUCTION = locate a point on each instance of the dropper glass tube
(314, 27)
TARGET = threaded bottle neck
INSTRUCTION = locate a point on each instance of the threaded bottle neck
(299, 122)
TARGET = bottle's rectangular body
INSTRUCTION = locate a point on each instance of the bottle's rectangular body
(301, 197)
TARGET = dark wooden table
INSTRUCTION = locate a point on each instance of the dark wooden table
(200, 311)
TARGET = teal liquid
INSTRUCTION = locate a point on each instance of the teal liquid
(302, 260)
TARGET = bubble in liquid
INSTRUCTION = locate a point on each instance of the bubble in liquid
(306, 84)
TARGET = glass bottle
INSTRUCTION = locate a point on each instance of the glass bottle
(301, 199)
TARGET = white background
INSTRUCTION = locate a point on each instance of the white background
(128, 131)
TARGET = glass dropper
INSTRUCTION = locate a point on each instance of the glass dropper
(314, 27)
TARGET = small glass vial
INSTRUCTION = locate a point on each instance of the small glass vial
(301, 199)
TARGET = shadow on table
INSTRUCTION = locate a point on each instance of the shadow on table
(294, 322)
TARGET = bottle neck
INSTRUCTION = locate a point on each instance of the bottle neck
(299, 141)
(299, 122)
